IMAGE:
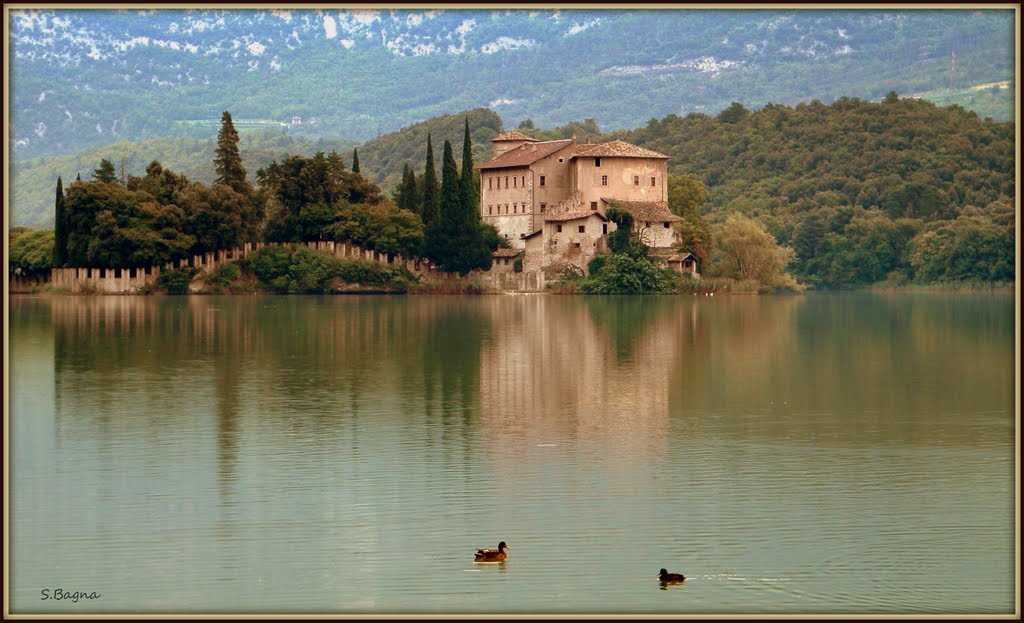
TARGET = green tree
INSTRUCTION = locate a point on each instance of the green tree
(105, 173)
(113, 227)
(228, 160)
(746, 251)
(735, 113)
(405, 195)
(355, 160)
(429, 193)
(60, 227)
(686, 196)
(30, 252)
(618, 240)
(470, 199)
(454, 240)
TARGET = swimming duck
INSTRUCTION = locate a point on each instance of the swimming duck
(492, 555)
(667, 577)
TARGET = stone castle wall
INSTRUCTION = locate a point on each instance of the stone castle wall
(136, 280)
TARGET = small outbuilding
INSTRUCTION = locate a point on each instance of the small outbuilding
(505, 259)
(684, 263)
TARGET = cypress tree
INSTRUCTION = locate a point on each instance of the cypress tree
(406, 195)
(228, 160)
(60, 232)
(105, 173)
(355, 160)
(430, 202)
(469, 191)
(78, 177)
(453, 239)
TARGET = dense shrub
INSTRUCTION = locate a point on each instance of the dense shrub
(624, 273)
(303, 270)
(176, 281)
(225, 274)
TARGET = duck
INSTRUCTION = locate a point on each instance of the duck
(667, 577)
(492, 555)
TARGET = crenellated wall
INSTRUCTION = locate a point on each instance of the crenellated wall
(136, 280)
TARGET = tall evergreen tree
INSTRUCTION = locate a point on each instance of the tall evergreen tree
(469, 190)
(355, 160)
(430, 199)
(453, 239)
(78, 177)
(228, 160)
(60, 231)
(105, 173)
(405, 197)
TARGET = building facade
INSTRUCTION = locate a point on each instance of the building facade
(535, 188)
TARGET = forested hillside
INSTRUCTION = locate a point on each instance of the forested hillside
(857, 188)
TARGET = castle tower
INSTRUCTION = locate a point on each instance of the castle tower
(507, 141)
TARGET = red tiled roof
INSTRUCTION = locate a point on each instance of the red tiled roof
(572, 216)
(525, 154)
(615, 149)
(512, 135)
(507, 252)
(656, 211)
(679, 257)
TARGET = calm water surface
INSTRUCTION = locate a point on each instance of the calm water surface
(827, 453)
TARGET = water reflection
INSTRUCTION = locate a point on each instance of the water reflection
(348, 454)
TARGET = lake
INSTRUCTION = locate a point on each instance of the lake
(833, 453)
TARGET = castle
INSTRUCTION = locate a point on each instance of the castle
(549, 198)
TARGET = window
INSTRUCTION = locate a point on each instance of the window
(636, 180)
(583, 229)
(597, 162)
(652, 181)
(542, 207)
(558, 228)
(515, 181)
(489, 208)
(576, 244)
(561, 159)
(604, 228)
(515, 208)
(593, 205)
(541, 180)
(506, 181)
(506, 208)
(666, 224)
(604, 180)
(489, 181)
(523, 180)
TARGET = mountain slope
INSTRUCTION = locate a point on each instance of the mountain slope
(86, 77)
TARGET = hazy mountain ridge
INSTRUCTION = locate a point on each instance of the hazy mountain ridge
(90, 77)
